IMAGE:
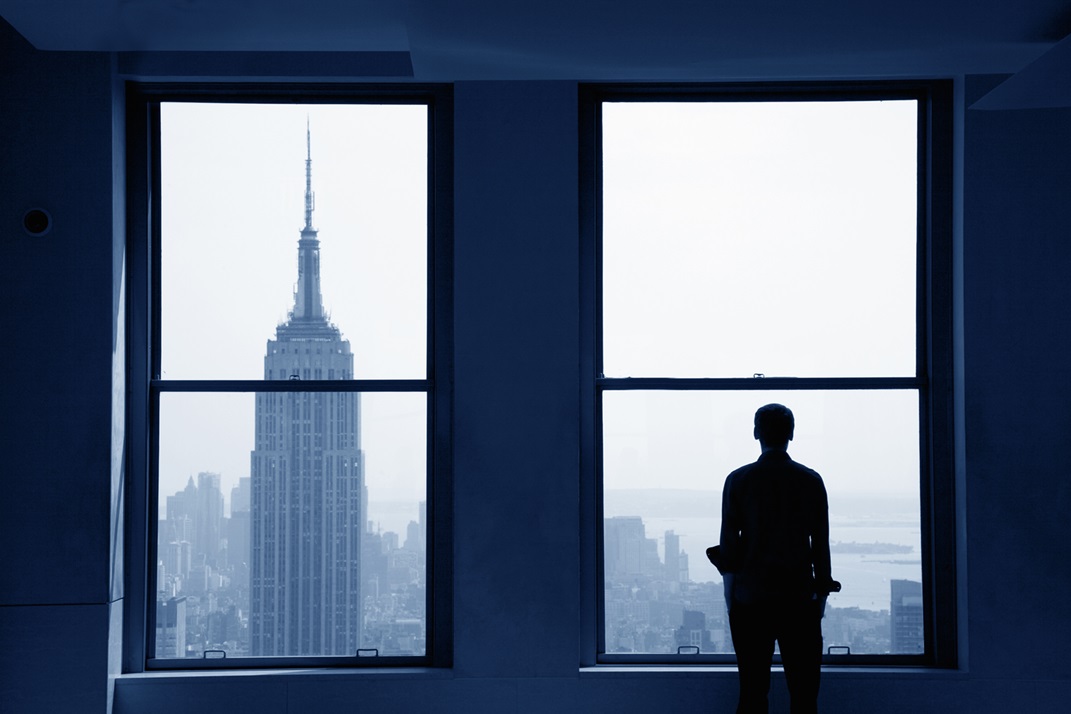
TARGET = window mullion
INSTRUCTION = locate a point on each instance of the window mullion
(758, 383)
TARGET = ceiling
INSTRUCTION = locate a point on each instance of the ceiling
(579, 39)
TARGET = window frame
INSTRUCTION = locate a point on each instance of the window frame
(144, 385)
(933, 378)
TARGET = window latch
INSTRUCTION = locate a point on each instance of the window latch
(368, 652)
(846, 648)
(216, 654)
(680, 650)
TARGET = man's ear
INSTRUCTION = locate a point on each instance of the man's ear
(756, 432)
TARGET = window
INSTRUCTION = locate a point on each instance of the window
(766, 245)
(290, 321)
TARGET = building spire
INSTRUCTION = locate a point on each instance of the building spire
(308, 303)
(310, 197)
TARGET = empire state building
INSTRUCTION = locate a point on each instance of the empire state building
(307, 509)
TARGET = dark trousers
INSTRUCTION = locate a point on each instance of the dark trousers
(797, 628)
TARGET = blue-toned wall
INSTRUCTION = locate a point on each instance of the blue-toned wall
(1017, 258)
(517, 581)
(62, 361)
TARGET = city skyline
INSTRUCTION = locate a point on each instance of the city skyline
(653, 605)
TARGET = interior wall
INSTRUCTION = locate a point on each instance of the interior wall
(1017, 257)
(58, 323)
(516, 576)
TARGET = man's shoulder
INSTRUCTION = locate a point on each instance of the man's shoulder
(782, 464)
(807, 475)
(803, 469)
(737, 474)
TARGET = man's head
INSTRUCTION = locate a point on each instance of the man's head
(774, 425)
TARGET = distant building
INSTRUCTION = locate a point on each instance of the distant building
(676, 560)
(238, 548)
(171, 628)
(240, 495)
(192, 531)
(906, 617)
(628, 552)
(308, 497)
(693, 632)
(208, 517)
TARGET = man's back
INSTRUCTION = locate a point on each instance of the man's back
(775, 530)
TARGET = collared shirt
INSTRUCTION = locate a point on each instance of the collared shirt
(775, 530)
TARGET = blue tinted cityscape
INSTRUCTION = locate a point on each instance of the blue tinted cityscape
(289, 563)
(655, 604)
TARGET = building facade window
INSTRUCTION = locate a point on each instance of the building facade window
(290, 518)
(756, 245)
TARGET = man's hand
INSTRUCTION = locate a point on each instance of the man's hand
(827, 587)
(714, 556)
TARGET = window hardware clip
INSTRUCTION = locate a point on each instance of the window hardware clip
(758, 375)
(846, 648)
(222, 654)
(688, 647)
(368, 652)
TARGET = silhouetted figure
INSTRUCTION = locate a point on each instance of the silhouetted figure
(774, 555)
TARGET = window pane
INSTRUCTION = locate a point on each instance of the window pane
(291, 524)
(665, 458)
(233, 192)
(759, 237)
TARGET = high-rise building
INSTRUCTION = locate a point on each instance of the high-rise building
(307, 477)
(238, 530)
(905, 617)
(193, 527)
(629, 553)
(208, 517)
(676, 559)
(171, 628)
(240, 495)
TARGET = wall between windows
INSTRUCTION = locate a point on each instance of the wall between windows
(516, 576)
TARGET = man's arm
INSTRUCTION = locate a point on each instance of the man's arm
(730, 529)
(823, 575)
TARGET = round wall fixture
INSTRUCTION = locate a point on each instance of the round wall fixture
(37, 222)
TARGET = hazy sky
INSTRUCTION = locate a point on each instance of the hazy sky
(759, 237)
(774, 238)
(738, 238)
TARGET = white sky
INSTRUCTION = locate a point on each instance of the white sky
(738, 238)
(759, 237)
(773, 238)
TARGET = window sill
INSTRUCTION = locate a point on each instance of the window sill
(828, 670)
(283, 674)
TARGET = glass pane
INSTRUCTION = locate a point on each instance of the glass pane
(743, 237)
(256, 238)
(291, 524)
(665, 458)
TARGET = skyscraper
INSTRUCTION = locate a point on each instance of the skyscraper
(906, 617)
(208, 517)
(307, 476)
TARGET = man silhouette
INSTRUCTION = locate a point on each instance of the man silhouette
(775, 556)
